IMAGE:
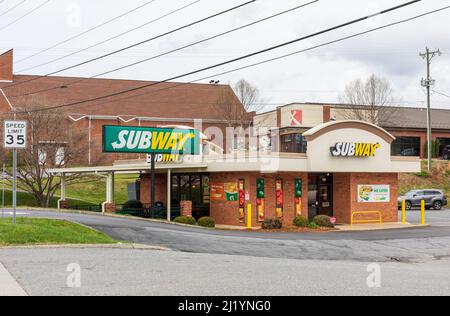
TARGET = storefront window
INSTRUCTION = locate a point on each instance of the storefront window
(193, 188)
(406, 146)
(293, 143)
(443, 142)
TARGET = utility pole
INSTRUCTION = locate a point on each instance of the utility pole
(428, 83)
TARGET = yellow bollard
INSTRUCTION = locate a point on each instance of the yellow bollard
(423, 212)
(249, 216)
(404, 211)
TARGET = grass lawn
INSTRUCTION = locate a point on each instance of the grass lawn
(29, 231)
(439, 178)
(90, 191)
(93, 188)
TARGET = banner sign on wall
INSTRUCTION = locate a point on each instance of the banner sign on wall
(298, 197)
(224, 191)
(242, 200)
(279, 197)
(374, 193)
(231, 191)
(146, 140)
(260, 193)
(217, 191)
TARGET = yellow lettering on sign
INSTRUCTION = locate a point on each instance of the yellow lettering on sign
(374, 148)
(172, 143)
(159, 140)
(359, 150)
(184, 139)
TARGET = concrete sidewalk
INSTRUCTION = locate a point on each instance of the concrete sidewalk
(8, 285)
(371, 227)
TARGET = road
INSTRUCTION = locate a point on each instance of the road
(213, 262)
(140, 272)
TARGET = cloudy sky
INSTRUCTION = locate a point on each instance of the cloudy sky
(319, 75)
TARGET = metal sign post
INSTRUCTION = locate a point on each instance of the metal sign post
(15, 137)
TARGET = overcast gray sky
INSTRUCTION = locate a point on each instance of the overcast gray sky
(317, 76)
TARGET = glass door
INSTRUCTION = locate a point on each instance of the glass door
(320, 195)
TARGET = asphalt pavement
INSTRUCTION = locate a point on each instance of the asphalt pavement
(238, 263)
(142, 272)
(379, 246)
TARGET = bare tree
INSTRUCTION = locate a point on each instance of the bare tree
(372, 101)
(239, 105)
(52, 143)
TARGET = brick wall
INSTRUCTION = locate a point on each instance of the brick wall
(389, 210)
(160, 188)
(6, 66)
(342, 192)
(227, 213)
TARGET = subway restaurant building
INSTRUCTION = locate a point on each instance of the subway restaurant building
(347, 168)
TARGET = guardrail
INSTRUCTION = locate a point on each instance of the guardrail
(379, 220)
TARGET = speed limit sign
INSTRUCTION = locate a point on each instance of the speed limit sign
(15, 135)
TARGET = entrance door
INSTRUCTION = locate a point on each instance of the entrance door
(320, 195)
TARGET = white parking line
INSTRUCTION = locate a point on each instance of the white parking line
(9, 286)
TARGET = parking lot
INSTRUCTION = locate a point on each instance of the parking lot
(432, 217)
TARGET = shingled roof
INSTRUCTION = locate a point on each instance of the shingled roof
(167, 100)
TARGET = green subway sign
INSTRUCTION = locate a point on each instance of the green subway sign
(147, 140)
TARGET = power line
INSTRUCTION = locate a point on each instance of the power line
(107, 40)
(175, 50)
(87, 31)
(137, 44)
(24, 16)
(235, 59)
(441, 93)
(271, 59)
(12, 8)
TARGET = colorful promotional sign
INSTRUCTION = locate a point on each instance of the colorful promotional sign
(242, 200)
(217, 191)
(260, 186)
(298, 197)
(231, 191)
(374, 193)
(279, 197)
(354, 150)
(224, 191)
(146, 140)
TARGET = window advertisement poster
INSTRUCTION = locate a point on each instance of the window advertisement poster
(374, 193)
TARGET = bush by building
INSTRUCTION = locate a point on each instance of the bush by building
(188, 220)
(272, 224)
(301, 221)
(323, 221)
(208, 222)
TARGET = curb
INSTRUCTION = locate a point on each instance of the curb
(69, 211)
(90, 246)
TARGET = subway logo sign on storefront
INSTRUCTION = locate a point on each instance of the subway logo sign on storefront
(146, 140)
(354, 150)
